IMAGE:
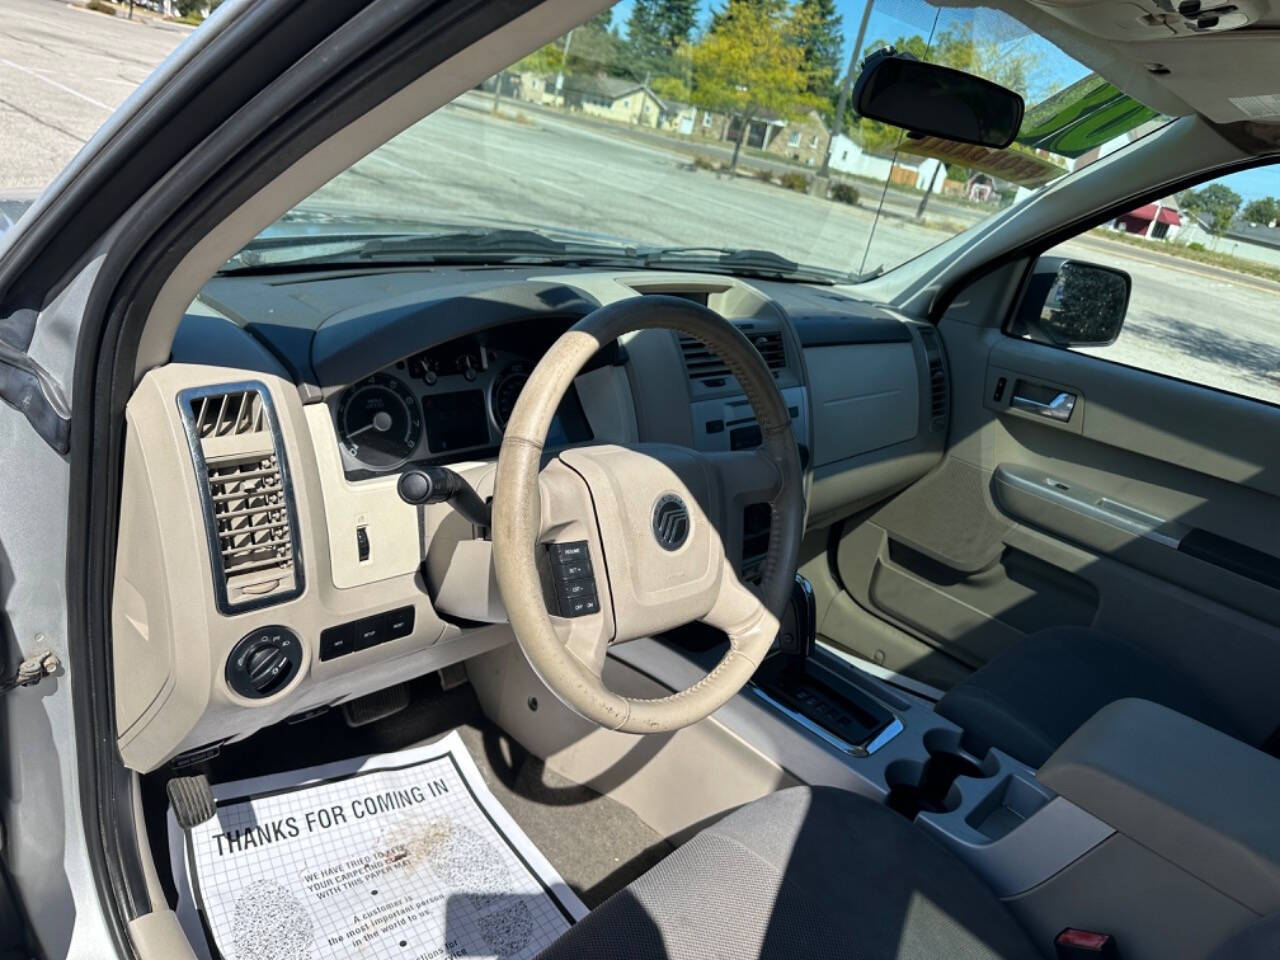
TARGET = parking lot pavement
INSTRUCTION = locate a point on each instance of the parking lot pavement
(63, 70)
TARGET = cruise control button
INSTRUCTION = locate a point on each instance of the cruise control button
(577, 588)
(570, 551)
(572, 570)
(580, 606)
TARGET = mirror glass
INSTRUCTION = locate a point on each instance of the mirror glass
(1085, 306)
(927, 99)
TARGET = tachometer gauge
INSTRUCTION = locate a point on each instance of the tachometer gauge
(506, 390)
(379, 421)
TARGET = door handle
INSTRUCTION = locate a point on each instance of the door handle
(1059, 408)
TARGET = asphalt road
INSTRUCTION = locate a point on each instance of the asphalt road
(62, 70)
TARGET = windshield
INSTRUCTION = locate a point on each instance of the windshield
(714, 136)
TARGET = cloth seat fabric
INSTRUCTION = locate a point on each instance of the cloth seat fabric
(1028, 700)
(809, 872)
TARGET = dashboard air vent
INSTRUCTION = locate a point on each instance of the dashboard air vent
(704, 366)
(939, 394)
(248, 502)
(228, 414)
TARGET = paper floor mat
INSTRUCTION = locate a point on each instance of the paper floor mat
(400, 856)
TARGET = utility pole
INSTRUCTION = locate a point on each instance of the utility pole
(933, 178)
(564, 60)
(843, 103)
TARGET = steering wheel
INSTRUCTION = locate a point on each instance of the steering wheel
(650, 517)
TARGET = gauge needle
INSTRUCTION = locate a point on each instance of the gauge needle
(381, 422)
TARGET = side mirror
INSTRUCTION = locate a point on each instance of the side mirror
(930, 100)
(1070, 303)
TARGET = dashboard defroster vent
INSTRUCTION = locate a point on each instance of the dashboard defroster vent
(704, 366)
(249, 512)
(939, 392)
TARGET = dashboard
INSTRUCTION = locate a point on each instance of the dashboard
(266, 566)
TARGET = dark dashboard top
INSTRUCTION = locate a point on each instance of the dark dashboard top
(331, 328)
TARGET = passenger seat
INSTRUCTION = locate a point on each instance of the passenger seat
(1028, 700)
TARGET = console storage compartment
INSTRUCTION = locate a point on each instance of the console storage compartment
(1200, 799)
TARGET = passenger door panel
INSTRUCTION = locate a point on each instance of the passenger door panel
(1151, 512)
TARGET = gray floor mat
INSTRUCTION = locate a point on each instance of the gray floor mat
(597, 844)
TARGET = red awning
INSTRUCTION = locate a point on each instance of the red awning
(1148, 213)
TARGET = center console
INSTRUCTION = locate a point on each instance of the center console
(824, 720)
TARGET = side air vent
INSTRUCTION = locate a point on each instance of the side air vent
(705, 367)
(939, 394)
(228, 414)
(248, 502)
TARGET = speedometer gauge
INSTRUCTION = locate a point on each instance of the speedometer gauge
(505, 393)
(379, 421)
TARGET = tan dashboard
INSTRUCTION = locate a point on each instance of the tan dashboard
(283, 575)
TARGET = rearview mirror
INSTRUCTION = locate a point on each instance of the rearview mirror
(930, 100)
(1070, 303)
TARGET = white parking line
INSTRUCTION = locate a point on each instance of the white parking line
(54, 83)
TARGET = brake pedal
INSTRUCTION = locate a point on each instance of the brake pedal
(376, 706)
(192, 800)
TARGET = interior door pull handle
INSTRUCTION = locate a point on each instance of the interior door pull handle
(1059, 408)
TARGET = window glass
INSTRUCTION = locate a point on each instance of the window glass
(1205, 266)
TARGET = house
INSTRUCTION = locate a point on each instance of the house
(1156, 221)
(804, 139)
(1247, 241)
(920, 173)
(681, 118)
(614, 98)
(534, 87)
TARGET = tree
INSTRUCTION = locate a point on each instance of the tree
(675, 20)
(656, 32)
(749, 65)
(822, 39)
(594, 48)
(1263, 211)
(1215, 204)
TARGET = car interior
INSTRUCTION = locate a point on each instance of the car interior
(787, 618)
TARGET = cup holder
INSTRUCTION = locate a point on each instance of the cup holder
(930, 787)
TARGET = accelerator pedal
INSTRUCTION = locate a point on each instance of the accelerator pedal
(376, 706)
(192, 800)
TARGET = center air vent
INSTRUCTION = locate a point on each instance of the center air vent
(706, 367)
(248, 503)
(939, 394)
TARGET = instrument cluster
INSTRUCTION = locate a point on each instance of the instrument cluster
(439, 405)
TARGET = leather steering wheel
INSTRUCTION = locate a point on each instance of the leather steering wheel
(652, 517)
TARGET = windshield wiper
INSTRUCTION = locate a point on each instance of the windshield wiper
(503, 246)
(757, 263)
(490, 244)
